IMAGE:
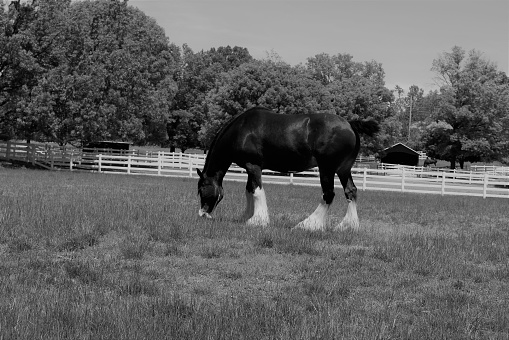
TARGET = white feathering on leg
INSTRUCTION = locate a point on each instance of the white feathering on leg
(351, 220)
(317, 220)
(261, 212)
(203, 213)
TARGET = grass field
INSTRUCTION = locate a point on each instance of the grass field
(96, 256)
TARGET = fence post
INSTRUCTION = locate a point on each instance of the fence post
(291, 177)
(31, 154)
(159, 163)
(70, 161)
(190, 166)
(129, 164)
(100, 161)
(364, 177)
(443, 184)
(8, 150)
(485, 185)
(35, 156)
(403, 180)
(52, 159)
(27, 152)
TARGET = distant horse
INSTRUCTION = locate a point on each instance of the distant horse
(261, 139)
(428, 161)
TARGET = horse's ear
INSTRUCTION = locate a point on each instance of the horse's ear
(199, 173)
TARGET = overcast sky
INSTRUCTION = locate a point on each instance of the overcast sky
(404, 35)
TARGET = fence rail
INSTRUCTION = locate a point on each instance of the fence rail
(492, 182)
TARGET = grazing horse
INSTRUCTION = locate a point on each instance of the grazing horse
(261, 139)
(428, 161)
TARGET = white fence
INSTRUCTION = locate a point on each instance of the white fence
(491, 169)
(402, 179)
(490, 183)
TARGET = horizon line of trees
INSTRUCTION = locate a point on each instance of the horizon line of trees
(77, 72)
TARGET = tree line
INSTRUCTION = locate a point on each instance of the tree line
(82, 71)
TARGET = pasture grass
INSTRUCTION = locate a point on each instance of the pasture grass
(96, 256)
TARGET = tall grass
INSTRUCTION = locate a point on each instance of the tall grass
(95, 256)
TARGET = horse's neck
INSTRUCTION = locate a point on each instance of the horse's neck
(219, 157)
(217, 164)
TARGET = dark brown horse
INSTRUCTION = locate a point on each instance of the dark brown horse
(429, 161)
(260, 139)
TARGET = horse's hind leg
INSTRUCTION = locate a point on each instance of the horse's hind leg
(318, 219)
(255, 195)
(248, 213)
(351, 220)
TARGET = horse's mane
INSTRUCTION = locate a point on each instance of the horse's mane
(219, 134)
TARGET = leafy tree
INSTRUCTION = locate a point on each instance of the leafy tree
(328, 69)
(28, 37)
(362, 98)
(272, 84)
(471, 119)
(95, 70)
(124, 69)
(196, 76)
(424, 112)
(357, 90)
(327, 84)
(410, 112)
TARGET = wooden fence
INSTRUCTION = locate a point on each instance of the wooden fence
(386, 177)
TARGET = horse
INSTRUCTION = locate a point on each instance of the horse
(428, 161)
(260, 139)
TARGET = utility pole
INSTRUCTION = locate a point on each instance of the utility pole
(410, 118)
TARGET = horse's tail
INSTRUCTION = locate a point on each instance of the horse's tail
(367, 127)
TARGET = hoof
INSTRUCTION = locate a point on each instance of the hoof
(317, 221)
(344, 225)
(310, 225)
(205, 214)
(245, 217)
(257, 221)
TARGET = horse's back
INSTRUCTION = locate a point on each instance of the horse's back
(290, 142)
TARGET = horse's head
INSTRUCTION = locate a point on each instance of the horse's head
(211, 193)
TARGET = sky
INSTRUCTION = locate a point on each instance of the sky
(405, 36)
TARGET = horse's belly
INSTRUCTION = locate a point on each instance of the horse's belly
(289, 163)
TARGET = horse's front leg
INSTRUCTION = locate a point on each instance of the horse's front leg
(318, 219)
(256, 212)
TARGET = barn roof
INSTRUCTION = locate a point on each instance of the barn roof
(400, 147)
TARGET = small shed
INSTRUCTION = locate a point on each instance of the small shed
(399, 154)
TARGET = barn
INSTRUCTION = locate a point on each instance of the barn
(399, 154)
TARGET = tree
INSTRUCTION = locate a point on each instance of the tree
(197, 75)
(410, 113)
(357, 90)
(122, 66)
(326, 68)
(336, 85)
(471, 119)
(27, 39)
(272, 84)
(91, 70)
